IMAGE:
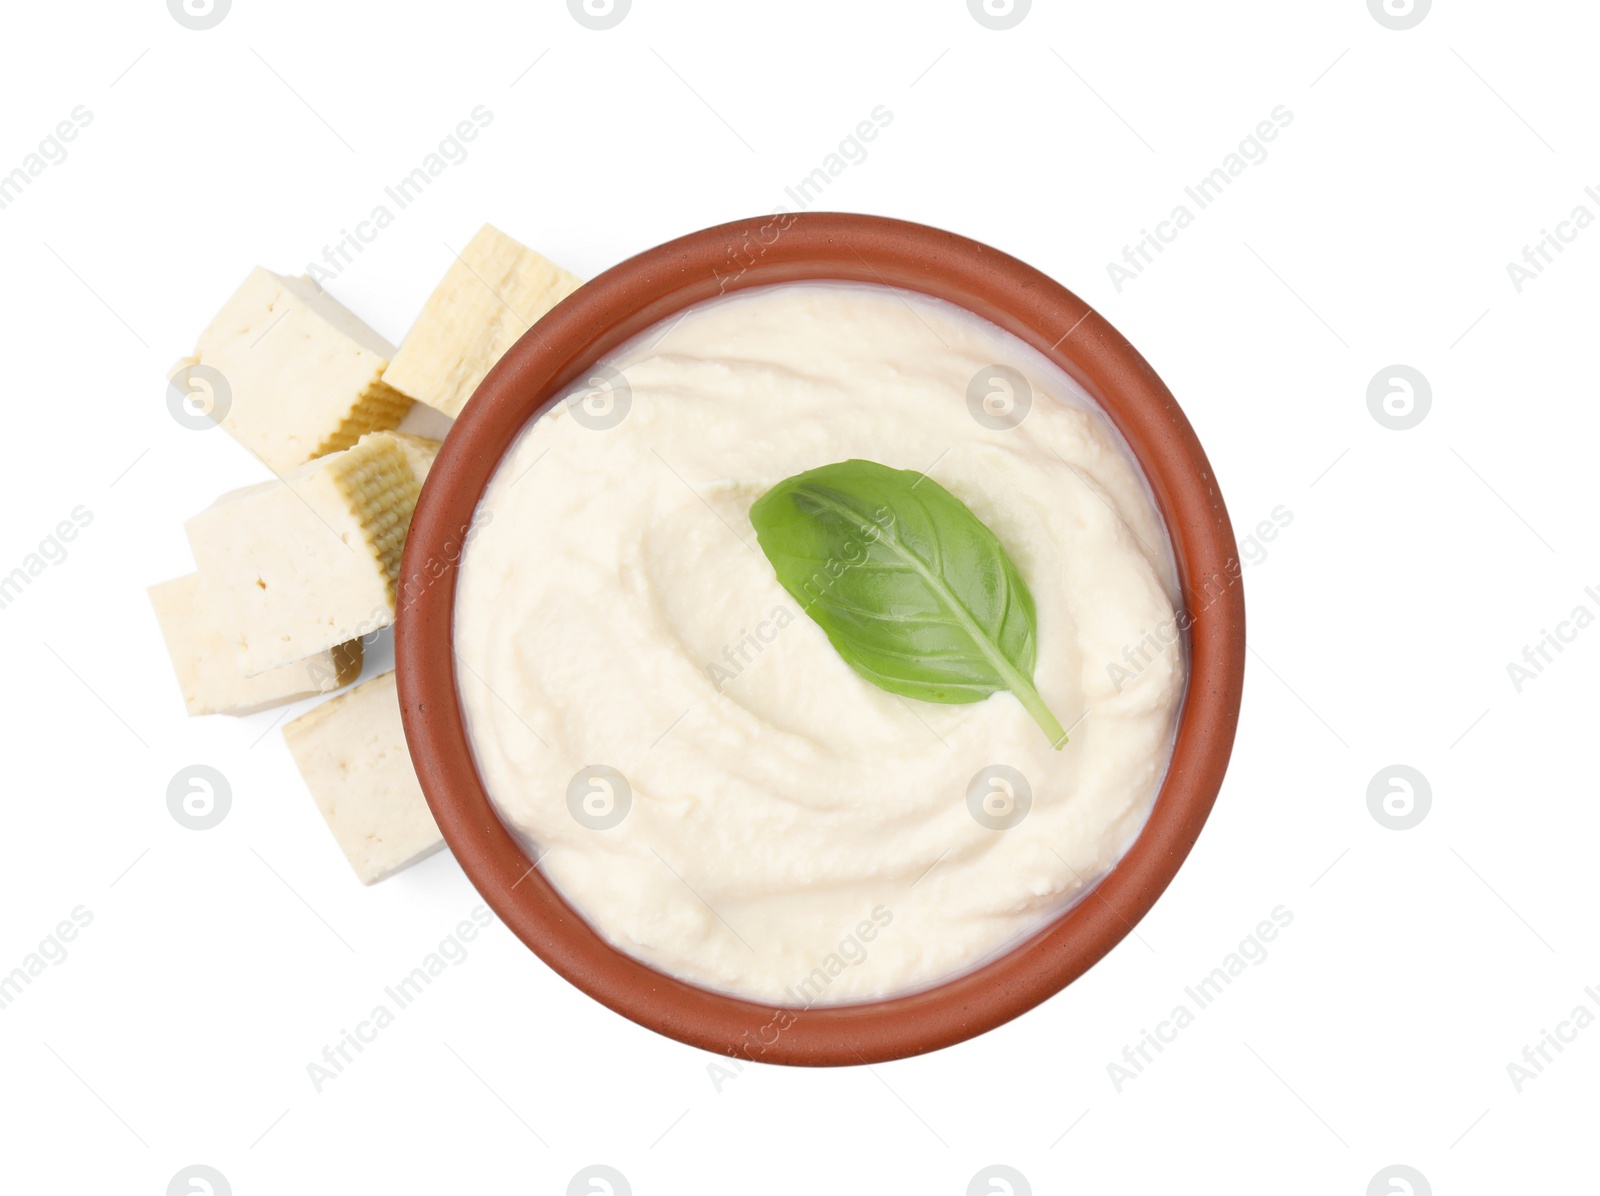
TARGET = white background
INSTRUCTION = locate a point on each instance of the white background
(1417, 565)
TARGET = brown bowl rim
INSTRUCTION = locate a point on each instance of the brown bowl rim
(821, 246)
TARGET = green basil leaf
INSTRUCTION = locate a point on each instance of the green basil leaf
(917, 595)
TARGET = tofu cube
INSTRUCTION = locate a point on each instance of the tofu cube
(208, 667)
(493, 293)
(297, 565)
(304, 375)
(352, 753)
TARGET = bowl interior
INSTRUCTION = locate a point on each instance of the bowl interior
(653, 286)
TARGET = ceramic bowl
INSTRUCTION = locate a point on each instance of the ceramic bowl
(652, 287)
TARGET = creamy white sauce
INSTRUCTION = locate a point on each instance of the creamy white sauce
(793, 834)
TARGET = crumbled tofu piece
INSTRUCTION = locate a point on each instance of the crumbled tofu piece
(208, 667)
(352, 753)
(493, 293)
(420, 452)
(310, 560)
(304, 375)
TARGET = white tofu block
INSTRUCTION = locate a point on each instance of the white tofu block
(304, 375)
(493, 293)
(310, 560)
(352, 753)
(208, 667)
